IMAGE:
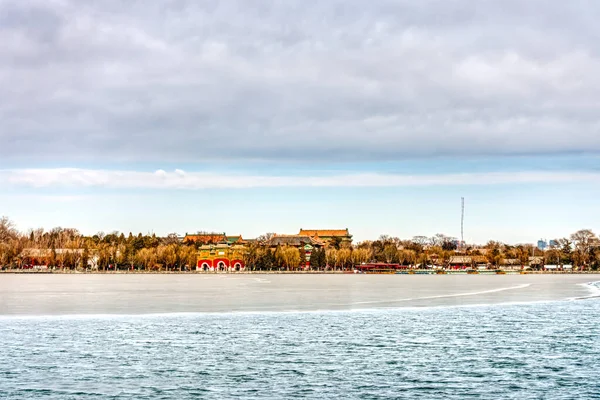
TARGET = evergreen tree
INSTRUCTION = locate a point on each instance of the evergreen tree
(314, 259)
(302, 257)
(85, 256)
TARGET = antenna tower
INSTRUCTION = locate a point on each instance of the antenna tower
(462, 222)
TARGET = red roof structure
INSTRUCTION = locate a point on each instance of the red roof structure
(206, 238)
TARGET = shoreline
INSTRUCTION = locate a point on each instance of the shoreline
(417, 272)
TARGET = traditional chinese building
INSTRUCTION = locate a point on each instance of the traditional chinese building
(294, 241)
(213, 238)
(327, 235)
(203, 238)
(220, 257)
(236, 240)
(301, 242)
(465, 262)
(31, 258)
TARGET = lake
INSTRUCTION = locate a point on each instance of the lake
(299, 336)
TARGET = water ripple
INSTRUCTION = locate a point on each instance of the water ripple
(548, 351)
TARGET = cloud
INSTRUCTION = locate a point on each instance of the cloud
(46, 198)
(84, 178)
(232, 80)
(62, 198)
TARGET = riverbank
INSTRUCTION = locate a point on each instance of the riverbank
(136, 272)
(414, 272)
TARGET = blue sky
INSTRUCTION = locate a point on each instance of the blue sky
(229, 116)
(511, 212)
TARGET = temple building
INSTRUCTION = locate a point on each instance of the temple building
(327, 235)
(217, 251)
(299, 241)
(220, 257)
(237, 240)
(203, 238)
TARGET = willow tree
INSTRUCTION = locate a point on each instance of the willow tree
(331, 257)
(390, 252)
(167, 255)
(187, 257)
(344, 255)
(147, 258)
(290, 257)
(360, 255)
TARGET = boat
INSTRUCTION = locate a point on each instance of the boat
(488, 272)
(456, 271)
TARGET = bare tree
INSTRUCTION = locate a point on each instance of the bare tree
(420, 240)
(584, 240)
(438, 239)
(385, 238)
(262, 239)
(171, 238)
(8, 231)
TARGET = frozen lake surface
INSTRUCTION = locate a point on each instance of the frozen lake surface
(151, 294)
(321, 337)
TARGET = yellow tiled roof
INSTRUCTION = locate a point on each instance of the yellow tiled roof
(294, 240)
(205, 238)
(324, 232)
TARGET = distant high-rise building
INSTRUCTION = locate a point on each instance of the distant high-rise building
(541, 244)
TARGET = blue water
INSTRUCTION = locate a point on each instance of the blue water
(529, 351)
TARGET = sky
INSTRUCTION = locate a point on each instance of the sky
(251, 117)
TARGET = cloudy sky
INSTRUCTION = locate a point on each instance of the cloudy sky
(255, 116)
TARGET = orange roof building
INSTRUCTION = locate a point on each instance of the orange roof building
(327, 234)
(206, 238)
(295, 241)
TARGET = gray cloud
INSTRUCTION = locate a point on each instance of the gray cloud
(192, 81)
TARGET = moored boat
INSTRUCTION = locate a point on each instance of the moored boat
(487, 272)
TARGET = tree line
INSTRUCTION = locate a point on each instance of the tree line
(69, 249)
